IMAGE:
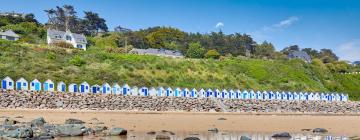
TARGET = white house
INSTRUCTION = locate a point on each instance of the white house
(126, 89)
(194, 93)
(95, 89)
(238, 94)
(73, 88)
(271, 95)
(169, 91)
(323, 97)
(134, 91)
(7, 83)
(9, 35)
(144, 91)
(116, 89)
(289, 96)
(105, 89)
(61, 86)
(152, 91)
(22, 84)
(202, 93)
(160, 91)
(84, 87)
(35, 85)
(177, 92)
(76, 40)
(302, 96)
(49, 85)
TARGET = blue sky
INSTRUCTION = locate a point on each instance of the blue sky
(333, 24)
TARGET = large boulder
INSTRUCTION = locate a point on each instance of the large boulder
(70, 130)
(9, 121)
(320, 130)
(38, 122)
(117, 131)
(74, 121)
(282, 135)
(20, 133)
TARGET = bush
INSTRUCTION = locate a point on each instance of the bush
(212, 54)
(195, 50)
(62, 44)
(77, 61)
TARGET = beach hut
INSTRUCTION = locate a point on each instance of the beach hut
(323, 97)
(258, 95)
(152, 91)
(316, 97)
(177, 92)
(22, 84)
(252, 95)
(344, 97)
(278, 95)
(134, 91)
(35, 85)
(48, 85)
(73, 88)
(194, 93)
(209, 93)
(84, 87)
(186, 92)
(331, 97)
(284, 96)
(337, 97)
(265, 95)
(202, 93)
(301, 96)
(237, 94)
(61, 86)
(296, 96)
(224, 94)
(245, 95)
(105, 89)
(232, 94)
(217, 93)
(125, 89)
(272, 95)
(311, 96)
(116, 89)
(7, 83)
(289, 96)
(160, 91)
(169, 91)
(144, 91)
(95, 89)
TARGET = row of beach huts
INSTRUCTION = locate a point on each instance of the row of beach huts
(35, 85)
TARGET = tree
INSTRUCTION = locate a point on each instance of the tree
(92, 23)
(63, 18)
(328, 56)
(195, 50)
(312, 52)
(265, 50)
(212, 54)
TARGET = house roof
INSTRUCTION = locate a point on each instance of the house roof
(356, 63)
(300, 54)
(9, 33)
(60, 35)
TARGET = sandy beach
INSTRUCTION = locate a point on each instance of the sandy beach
(183, 121)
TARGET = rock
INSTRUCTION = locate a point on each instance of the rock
(70, 130)
(99, 129)
(214, 130)
(117, 131)
(222, 119)
(45, 137)
(20, 133)
(38, 122)
(282, 135)
(245, 138)
(74, 121)
(9, 121)
(192, 138)
(151, 133)
(320, 130)
(162, 137)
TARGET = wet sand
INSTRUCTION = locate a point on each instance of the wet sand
(348, 125)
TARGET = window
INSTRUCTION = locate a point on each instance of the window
(32, 84)
(51, 85)
(108, 88)
(68, 38)
(87, 87)
(57, 36)
(79, 46)
(10, 83)
(10, 38)
(24, 84)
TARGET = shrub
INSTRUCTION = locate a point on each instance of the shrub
(62, 44)
(212, 54)
(77, 61)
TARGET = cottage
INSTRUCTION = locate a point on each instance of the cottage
(194, 93)
(300, 55)
(157, 52)
(144, 91)
(7, 83)
(22, 84)
(169, 92)
(134, 91)
(232, 94)
(95, 89)
(9, 35)
(105, 89)
(125, 89)
(152, 91)
(73, 88)
(35, 85)
(84, 87)
(209, 93)
(186, 92)
(116, 89)
(61, 86)
(76, 40)
(160, 91)
(49, 85)
(202, 93)
(224, 94)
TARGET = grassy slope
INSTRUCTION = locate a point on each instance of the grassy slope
(60, 65)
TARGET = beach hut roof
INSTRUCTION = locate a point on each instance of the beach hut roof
(61, 82)
(144, 88)
(7, 78)
(96, 85)
(72, 84)
(22, 79)
(49, 81)
(106, 84)
(168, 88)
(126, 86)
(84, 83)
(194, 89)
(186, 89)
(116, 85)
(160, 88)
(35, 81)
(202, 90)
(209, 90)
(224, 90)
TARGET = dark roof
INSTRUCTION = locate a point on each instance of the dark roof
(356, 62)
(301, 55)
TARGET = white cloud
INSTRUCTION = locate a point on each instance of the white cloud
(287, 22)
(349, 51)
(219, 25)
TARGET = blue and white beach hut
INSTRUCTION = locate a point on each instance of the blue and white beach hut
(237, 94)
(209, 93)
(177, 92)
(290, 96)
(116, 89)
(245, 95)
(7, 83)
(331, 97)
(134, 91)
(296, 96)
(232, 94)
(61, 86)
(272, 95)
(337, 97)
(251, 95)
(323, 97)
(186, 92)
(35, 85)
(160, 91)
(202, 93)
(49, 85)
(284, 96)
(344, 97)
(217, 93)
(316, 97)
(311, 96)
(73, 88)
(265, 95)
(84, 87)
(152, 91)
(224, 94)
(278, 95)
(126, 89)
(22, 84)
(95, 89)
(302, 96)
(259, 95)
(169, 91)
(194, 93)
(105, 89)
(144, 91)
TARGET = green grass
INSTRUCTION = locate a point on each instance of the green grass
(97, 66)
